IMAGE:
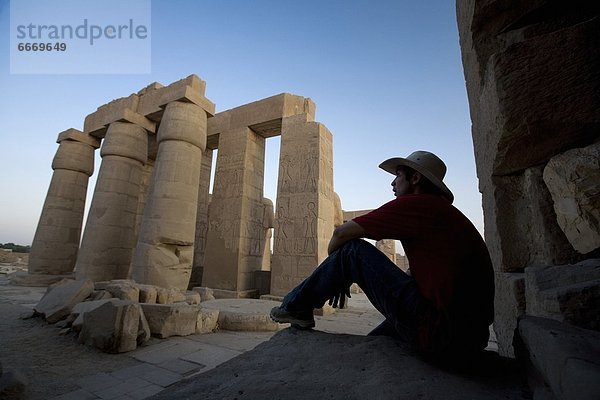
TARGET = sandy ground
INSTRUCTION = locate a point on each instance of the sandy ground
(48, 362)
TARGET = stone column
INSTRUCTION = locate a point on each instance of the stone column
(56, 241)
(305, 202)
(109, 236)
(233, 246)
(165, 248)
(268, 225)
(202, 219)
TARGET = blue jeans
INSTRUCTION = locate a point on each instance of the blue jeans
(390, 290)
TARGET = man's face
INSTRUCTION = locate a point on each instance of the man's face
(401, 185)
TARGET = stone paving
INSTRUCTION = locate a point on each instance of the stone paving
(166, 361)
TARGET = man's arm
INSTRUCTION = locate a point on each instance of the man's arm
(344, 233)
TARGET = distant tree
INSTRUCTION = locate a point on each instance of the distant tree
(17, 248)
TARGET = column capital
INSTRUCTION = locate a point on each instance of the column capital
(78, 136)
(155, 98)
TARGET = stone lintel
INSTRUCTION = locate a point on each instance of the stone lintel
(125, 115)
(262, 116)
(155, 99)
(78, 136)
(97, 122)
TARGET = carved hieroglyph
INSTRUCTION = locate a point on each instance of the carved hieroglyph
(109, 236)
(305, 202)
(235, 241)
(165, 248)
(56, 241)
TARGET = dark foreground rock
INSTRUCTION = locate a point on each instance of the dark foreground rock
(316, 365)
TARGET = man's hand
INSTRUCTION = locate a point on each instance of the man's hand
(339, 300)
(347, 231)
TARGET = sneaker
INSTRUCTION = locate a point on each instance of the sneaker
(300, 320)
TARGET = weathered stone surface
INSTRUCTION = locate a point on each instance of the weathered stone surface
(167, 320)
(112, 327)
(148, 293)
(165, 248)
(56, 241)
(154, 98)
(567, 357)
(251, 315)
(169, 296)
(207, 321)
(205, 293)
(110, 232)
(573, 179)
(86, 306)
(533, 73)
(236, 239)
(96, 123)
(305, 202)
(22, 278)
(192, 297)
(78, 136)
(262, 116)
(234, 294)
(143, 334)
(509, 305)
(523, 209)
(61, 297)
(567, 293)
(100, 295)
(124, 291)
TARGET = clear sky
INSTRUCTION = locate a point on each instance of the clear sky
(386, 77)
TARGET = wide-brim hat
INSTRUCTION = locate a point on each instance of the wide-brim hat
(424, 162)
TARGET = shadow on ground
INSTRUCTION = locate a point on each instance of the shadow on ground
(311, 364)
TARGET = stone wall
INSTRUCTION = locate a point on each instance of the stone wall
(532, 71)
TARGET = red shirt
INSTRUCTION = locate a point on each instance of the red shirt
(448, 260)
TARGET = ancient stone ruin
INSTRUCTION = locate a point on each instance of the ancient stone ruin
(149, 219)
(153, 229)
(533, 77)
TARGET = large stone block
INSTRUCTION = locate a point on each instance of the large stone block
(86, 306)
(61, 297)
(78, 136)
(522, 227)
(565, 356)
(573, 179)
(96, 122)
(167, 320)
(263, 116)
(148, 293)
(567, 293)
(207, 321)
(124, 291)
(113, 327)
(169, 296)
(154, 98)
(509, 305)
(532, 75)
